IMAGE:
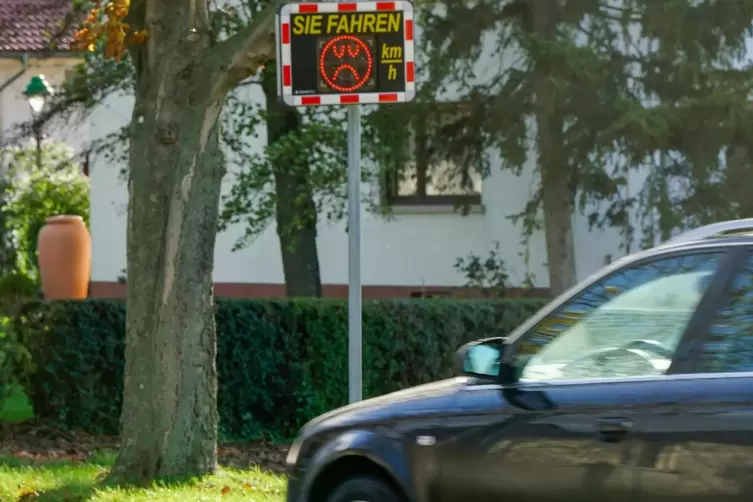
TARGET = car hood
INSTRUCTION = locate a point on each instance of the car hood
(413, 402)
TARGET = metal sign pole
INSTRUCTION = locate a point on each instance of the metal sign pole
(355, 317)
(355, 356)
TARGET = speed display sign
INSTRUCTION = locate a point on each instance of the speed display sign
(345, 52)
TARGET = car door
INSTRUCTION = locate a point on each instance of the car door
(565, 429)
(553, 442)
(696, 440)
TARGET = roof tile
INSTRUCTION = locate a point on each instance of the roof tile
(27, 25)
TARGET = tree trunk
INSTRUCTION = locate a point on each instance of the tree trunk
(556, 173)
(169, 420)
(296, 210)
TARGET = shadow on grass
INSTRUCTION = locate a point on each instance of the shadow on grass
(73, 492)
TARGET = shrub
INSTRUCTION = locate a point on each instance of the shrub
(280, 363)
(36, 192)
(31, 190)
(8, 355)
(16, 290)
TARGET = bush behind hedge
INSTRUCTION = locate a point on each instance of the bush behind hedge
(280, 363)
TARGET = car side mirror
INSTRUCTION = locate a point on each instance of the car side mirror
(481, 359)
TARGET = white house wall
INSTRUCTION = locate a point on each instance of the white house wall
(406, 249)
(410, 249)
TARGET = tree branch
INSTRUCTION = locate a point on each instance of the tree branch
(241, 56)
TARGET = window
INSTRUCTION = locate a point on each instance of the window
(435, 170)
(627, 324)
(729, 345)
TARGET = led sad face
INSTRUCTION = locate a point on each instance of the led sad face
(346, 64)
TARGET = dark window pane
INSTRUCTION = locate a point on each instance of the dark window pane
(442, 178)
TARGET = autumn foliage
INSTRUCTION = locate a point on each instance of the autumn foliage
(106, 21)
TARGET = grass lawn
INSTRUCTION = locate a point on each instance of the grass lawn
(49, 466)
(65, 481)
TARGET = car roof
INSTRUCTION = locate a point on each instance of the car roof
(722, 239)
(730, 232)
(742, 228)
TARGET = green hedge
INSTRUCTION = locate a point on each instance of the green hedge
(280, 362)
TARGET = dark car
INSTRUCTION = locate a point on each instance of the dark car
(636, 385)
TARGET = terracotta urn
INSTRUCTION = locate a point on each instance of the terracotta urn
(65, 256)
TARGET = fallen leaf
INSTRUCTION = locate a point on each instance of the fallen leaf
(25, 495)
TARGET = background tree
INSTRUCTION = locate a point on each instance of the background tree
(298, 179)
(699, 77)
(598, 90)
(271, 186)
(297, 175)
(297, 216)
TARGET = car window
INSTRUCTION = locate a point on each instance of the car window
(729, 345)
(627, 324)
